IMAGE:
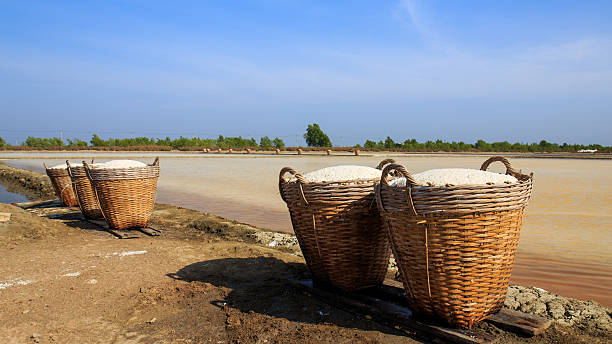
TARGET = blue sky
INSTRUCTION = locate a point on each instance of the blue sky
(454, 70)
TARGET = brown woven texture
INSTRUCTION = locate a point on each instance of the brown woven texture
(62, 185)
(86, 197)
(127, 195)
(455, 245)
(339, 230)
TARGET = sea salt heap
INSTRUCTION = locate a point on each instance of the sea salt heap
(63, 166)
(342, 173)
(456, 176)
(121, 164)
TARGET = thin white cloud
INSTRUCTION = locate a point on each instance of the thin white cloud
(408, 11)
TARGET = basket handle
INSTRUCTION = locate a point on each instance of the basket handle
(399, 171)
(509, 170)
(67, 187)
(45, 165)
(86, 166)
(74, 187)
(68, 168)
(282, 180)
(385, 162)
(155, 162)
(284, 170)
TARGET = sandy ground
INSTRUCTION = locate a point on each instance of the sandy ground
(65, 281)
(73, 284)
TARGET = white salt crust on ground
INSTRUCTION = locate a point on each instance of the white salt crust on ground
(456, 176)
(342, 173)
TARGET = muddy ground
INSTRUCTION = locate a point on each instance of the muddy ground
(204, 280)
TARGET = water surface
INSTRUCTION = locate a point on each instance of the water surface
(11, 197)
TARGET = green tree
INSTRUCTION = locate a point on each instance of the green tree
(369, 144)
(38, 142)
(265, 142)
(483, 146)
(2, 143)
(315, 137)
(76, 143)
(389, 143)
(96, 141)
(278, 143)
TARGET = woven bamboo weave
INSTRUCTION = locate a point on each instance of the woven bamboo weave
(86, 197)
(62, 185)
(339, 230)
(126, 195)
(454, 245)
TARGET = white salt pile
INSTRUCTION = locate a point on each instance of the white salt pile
(456, 176)
(64, 166)
(342, 173)
(74, 164)
(121, 164)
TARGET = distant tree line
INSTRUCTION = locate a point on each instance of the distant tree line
(480, 146)
(315, 138)
(179, 143)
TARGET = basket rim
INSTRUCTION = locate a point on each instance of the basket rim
(398, 171)
(458, 187)
(299, 180)
(125, 173)
(350, 181)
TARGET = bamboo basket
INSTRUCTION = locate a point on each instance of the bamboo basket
(339, 230)
(126, 195)
(62, 185)
(454, 245)
(85, 195)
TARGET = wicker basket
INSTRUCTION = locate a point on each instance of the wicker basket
(339, 230)
(126, 195)
(86, 197)
(62, 185)
(455, 245)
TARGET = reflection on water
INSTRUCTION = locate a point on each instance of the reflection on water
(10, 197)
(565, 240)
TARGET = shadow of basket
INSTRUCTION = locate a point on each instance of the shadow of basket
(260, 285)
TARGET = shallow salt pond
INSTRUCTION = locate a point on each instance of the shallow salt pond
(565, 242)
(11, 197)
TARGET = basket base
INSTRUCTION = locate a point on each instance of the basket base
(387, 304)
(131, 233)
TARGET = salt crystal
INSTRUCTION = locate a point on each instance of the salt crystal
(342, 173)
(456, 176)
(121, 164)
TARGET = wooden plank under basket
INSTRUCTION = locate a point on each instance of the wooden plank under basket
(125, 234)
(386, 304)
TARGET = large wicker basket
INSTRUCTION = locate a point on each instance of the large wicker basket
(62, 185)
(86, 197)
(339, 230)
(455, 245)
(126, 195)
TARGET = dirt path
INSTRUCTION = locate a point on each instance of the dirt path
(83, 286)
(72, 283)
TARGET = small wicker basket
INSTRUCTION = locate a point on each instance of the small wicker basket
(339, 230)
(86, 197)
(62, 185)
(455, 245)
(126, 195)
